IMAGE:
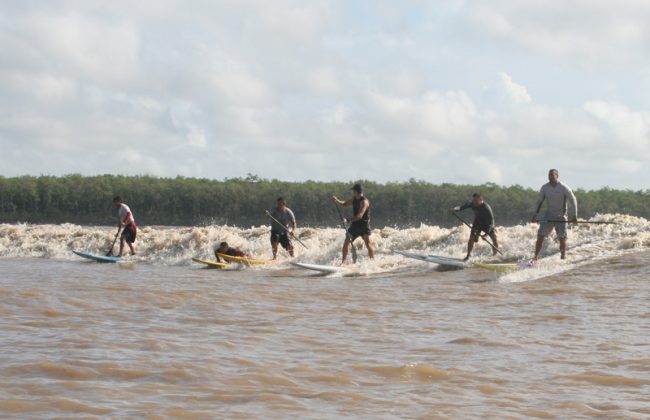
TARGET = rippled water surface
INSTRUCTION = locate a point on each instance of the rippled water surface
(80, 339)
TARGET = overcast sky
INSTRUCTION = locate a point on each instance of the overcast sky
(443, 91)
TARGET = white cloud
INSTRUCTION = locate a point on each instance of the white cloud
(100, 50)
(628, 166)
(437, 115)
(593, 31)
(516, 92)
(324, 80)
(623, 125)
(329, 91)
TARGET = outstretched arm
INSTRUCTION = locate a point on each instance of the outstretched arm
(340, 202)
(460, 208)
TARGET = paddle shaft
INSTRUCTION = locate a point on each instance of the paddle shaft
(577, 221)
(347, 234)
(110, 251)
(469, 226)
(288, 231)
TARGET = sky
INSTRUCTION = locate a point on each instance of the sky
(450, 91)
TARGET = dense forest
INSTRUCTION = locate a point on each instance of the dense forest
(241, 201)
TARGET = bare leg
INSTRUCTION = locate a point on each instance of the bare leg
(122, 241)
(563, 248)
(344, 252)
(274, 247)
(290, 249)
(493, 236)
(132, 248)
(470, 247)
(371, 250)
(538, 247)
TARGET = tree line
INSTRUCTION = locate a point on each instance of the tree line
(240, 202)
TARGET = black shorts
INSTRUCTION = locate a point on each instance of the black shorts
(129, 233)
(359, 228)
(478, 228)
(282, 237)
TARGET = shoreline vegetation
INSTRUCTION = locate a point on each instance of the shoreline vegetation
(241, 202)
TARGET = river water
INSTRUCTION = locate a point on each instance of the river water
(161, 337)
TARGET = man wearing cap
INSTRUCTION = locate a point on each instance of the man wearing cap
(483, 222)
(556, 195)
(360, 222)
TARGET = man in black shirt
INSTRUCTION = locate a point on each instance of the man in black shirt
(483, 222)
(360, 223)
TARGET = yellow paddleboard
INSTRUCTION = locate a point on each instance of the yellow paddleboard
(245, 259)
(210, 263)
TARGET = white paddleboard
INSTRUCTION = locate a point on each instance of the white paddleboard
(320, 268)
(436, 259)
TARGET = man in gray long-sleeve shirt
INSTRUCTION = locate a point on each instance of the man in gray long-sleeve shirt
(556, 195)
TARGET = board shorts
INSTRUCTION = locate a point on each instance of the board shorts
(478, 228)
(282, 237)
(545, 229)
(358, 228)
(129, 233)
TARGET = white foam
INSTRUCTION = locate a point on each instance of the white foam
(177, 245)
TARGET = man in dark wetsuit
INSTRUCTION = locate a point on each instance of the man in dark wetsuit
(360, 223)
(225, 249)
(483, 222)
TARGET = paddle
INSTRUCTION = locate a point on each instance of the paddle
(110, 251)
(482, 237)
(577, 221)
(285, 228)
(347, 234)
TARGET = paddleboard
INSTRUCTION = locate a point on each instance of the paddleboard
(245, 259)
(320, 268)
(99, 258)
(211, 264)
(503, 267)
(436, 259)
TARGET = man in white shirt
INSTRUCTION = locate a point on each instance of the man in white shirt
(127, 223)
(556, 195)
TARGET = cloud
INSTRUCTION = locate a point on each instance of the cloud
(516, 92)
(327, 90)
(623, 126)
(584, 30)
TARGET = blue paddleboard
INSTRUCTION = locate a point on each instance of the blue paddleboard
(99, 258)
